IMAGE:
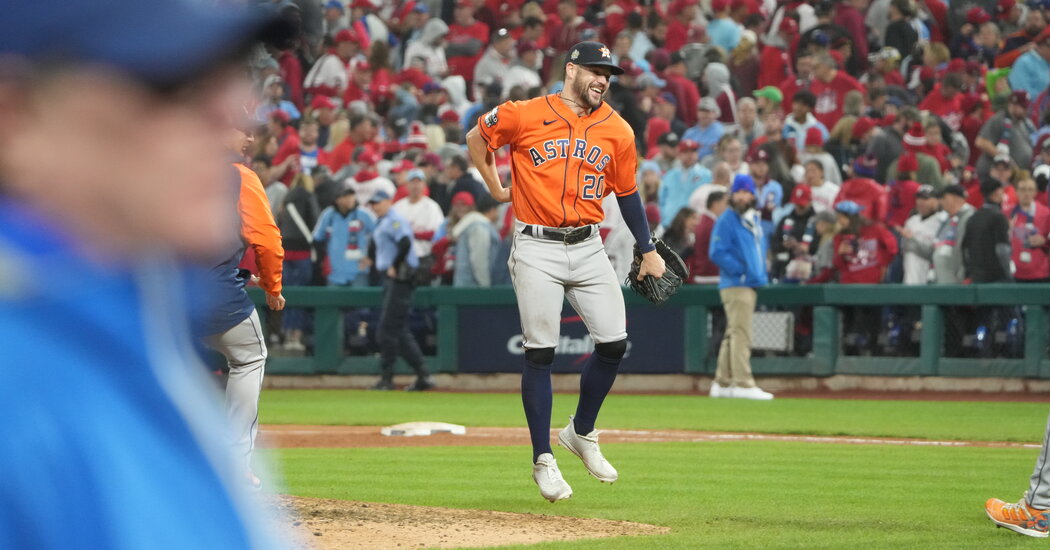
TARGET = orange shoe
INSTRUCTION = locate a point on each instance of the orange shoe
(1018, 517)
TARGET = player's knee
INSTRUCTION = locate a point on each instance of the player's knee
(611, 352)
(540, 357)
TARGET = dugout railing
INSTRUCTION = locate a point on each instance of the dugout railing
(934, 310)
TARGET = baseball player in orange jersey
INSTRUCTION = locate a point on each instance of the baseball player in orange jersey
(568, 150)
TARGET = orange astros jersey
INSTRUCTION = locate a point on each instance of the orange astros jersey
(562, 164)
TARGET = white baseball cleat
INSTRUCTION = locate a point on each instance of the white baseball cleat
(546, 474)
(718, 390)
(754, 393)
(586, 447)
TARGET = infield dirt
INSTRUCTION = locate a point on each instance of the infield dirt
(323, 524)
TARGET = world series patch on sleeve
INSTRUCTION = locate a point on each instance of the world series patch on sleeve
(658, 289)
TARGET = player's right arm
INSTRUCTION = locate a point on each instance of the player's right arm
(485, 162)
(493, 130)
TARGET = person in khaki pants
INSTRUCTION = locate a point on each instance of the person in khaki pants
(739, 249)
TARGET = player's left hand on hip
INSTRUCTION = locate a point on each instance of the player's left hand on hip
(275, 303)
(652, 264)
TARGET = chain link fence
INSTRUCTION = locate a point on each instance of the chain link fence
(984, 332)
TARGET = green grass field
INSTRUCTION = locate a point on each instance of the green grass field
(718, 495)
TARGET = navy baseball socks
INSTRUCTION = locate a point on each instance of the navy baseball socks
(599, 373)
(537, 398)
(580, 437)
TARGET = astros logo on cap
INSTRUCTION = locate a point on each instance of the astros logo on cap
(604, 51)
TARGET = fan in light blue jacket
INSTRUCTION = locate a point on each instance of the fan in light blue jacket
(737, 243)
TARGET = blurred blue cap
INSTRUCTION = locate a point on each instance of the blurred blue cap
(379, 196)
(743, 182)
(334, 4)
(160, 42)
(848, 208)
(417, 174)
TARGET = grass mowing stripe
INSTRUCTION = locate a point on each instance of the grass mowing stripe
(718, 495)
(979, 421)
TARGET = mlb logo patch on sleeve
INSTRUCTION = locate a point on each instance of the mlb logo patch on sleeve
(491, 117)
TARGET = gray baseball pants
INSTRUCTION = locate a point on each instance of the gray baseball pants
(545, 273)
(1039, 487)
(245, 350)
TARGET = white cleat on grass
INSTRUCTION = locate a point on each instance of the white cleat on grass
(546, 474)
(586, 447)
(756, 393)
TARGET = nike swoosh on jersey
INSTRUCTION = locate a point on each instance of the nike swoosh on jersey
(549, 122)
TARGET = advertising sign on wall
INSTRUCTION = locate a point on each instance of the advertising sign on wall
(490, 340)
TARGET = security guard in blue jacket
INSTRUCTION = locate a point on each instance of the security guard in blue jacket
(396, 261)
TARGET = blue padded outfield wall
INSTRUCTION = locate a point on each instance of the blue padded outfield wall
(478, 331)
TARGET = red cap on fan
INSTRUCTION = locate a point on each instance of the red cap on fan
(802, 195)
(907, 163)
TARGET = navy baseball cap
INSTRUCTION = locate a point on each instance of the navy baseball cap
(593, 54)
(160, 42)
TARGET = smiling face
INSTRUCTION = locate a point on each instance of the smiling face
(587, 83)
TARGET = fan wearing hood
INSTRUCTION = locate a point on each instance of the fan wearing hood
(428, 52)
(716, 81)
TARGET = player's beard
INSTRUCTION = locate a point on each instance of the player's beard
(583, 94)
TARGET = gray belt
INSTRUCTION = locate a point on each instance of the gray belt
(567, 235)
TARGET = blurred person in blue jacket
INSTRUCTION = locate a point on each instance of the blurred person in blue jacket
(346, 228)
(738, 247)
(113, 174)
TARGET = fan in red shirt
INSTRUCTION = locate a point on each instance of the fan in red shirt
(701, 269)
(616, 18)
(292, 73)
(563, 32)
(1029, 227)
(801, 80)
(938, 12)
(362, 134)
(360, 86)
(686, 93)
(862, 248)
(830, 85)
(682, 13)
(850, 18)
(775, 60)
(973, 119)
(467, 40)
(300, 155)
(935, 146)
(863, 190)
(945, 100)
(279, 125)
(902, 191)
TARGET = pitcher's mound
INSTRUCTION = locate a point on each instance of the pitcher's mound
(324, 524)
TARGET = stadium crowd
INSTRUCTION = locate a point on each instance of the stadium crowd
(888, 140)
